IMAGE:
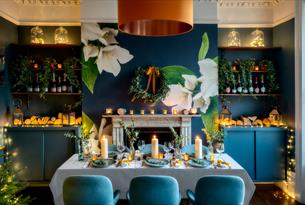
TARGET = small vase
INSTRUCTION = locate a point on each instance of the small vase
(132, 151)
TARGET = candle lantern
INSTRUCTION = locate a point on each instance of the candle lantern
(108, 111)
(18, 116)
(164, 112)
(225, 116)
(234, 39)
(275, 117)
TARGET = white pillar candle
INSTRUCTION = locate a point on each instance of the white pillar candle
(104, 147)
(155, 147)
(198, 148)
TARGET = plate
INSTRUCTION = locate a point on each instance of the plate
(102, 163)
(156, 162)
(195, 163)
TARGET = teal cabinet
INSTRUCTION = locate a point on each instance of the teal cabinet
(240, 146)
(260, 151)
(40, 151)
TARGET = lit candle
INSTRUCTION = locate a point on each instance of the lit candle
(174, 111)
(108, 111)
(152, 112)
(155, 147)
(234, 68)
(142, 112)
(193, 111)
(131, 112)
(161, 155)
(256, 68)
(59, 66)
(104, 147)
(198, 148)
(164, 112)
(35, 66)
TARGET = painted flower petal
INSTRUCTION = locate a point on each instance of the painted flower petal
(90, 51)
(90, 31)
(201, 102)
(106, 61)
(122, 54)
(178, 96)
(209, 89)
(205, 107)
(108, 34)
(208, 70)
(190, 81)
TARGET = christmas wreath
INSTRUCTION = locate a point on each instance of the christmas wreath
(156, 88)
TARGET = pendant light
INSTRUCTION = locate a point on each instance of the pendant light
(155, 17)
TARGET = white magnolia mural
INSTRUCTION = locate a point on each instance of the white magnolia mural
(102, 45)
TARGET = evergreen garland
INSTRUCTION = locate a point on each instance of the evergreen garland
(245, 71)
(226, 75)
(69, 65)
(139, 93)
(272, 84)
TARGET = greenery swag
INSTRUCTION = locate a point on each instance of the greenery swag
(139, 93)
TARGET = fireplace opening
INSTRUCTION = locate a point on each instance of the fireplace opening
(163, 134)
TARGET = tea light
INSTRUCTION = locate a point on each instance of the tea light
(109, 111)
(164, 112)
(174, 111)
(193, 111)
(234, 68)
(142, 112)
(186, 157)
(161, 155)
(59, 66)
(94, 157)
(212, 158)
(256, 68)
(104, 147)
(155, 147)
(198, 148)
(152, 112)
(130, 157)
(131, 112)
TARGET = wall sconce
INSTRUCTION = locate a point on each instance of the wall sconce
(258, 39)
(234, 39)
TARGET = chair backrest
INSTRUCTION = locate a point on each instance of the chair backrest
(224, 190)
(154, 190)
(147, 149)
(81, 190)
(112, 147)
(190, 149)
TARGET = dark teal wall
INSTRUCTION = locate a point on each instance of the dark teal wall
(8, 34)
(283, 36)
(183, 50)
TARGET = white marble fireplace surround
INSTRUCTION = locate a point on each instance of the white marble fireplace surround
(184, 122)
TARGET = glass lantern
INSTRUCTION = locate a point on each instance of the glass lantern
(258, 39)
(234, 39)
(18, 115)
(61, 36)
(275, 117)
(225, 116)
(37, 35)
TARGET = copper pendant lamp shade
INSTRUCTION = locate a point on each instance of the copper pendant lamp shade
(155, 17)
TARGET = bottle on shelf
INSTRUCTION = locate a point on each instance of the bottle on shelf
(263, 88)
(30, 86)
(234, 91)
(58, 86)
(69, 87)
(36, 83)
(239, 86)
(53, 82)
(256, 90)
(64, 84)
(251, 89)
(228, 89)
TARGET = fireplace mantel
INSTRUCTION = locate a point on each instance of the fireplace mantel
(184, 122)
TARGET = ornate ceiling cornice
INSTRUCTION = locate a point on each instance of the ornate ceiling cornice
(49, 2)
(249, 3)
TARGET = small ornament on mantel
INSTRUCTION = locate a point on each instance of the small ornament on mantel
(121, 111)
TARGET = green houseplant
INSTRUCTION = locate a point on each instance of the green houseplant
(69, 65)
(21, 74)
(45, 75)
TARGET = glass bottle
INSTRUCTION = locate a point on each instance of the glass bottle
(36, 83)
(256, 90)
(251, 89)
(263, 88)
(64, 84)
(58, 86)
(239, 86)
(53, 82)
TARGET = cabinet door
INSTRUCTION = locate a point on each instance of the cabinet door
(58, 149)
(28, 145)
(270, 155)
(240, 146)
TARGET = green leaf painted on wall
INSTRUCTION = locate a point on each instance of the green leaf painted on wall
(216, 60)
(87, 123)
(173, 74)
(89, 73)
(211, 113)
(204, 47)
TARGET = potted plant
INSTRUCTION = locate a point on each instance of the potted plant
(45, 75)
(70, 64)
(22, 74)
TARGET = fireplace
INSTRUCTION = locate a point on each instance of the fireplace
(152, 123)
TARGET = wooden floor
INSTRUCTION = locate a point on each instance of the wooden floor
(264, 195)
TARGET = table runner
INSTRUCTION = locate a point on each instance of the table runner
(120, 177)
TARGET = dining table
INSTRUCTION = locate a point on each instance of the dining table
(186, 175)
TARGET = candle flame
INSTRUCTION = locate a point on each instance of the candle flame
(154, 137)
(197, 137)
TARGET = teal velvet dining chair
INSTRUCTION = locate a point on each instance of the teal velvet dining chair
(154, 190)
(85, 190)
(218, 190)
(147, 149)
(190, 149)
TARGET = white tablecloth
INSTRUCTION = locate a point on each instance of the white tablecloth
(120, 177)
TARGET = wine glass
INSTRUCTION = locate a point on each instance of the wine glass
(220, 148)
(120, 148)
(141, 145)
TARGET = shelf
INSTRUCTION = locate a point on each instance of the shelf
(251, 95)
(248, 48)
(32, 93)
(59, 46)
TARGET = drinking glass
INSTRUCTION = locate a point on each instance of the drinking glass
(120, 148)
(220, 148)
(141, 145)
